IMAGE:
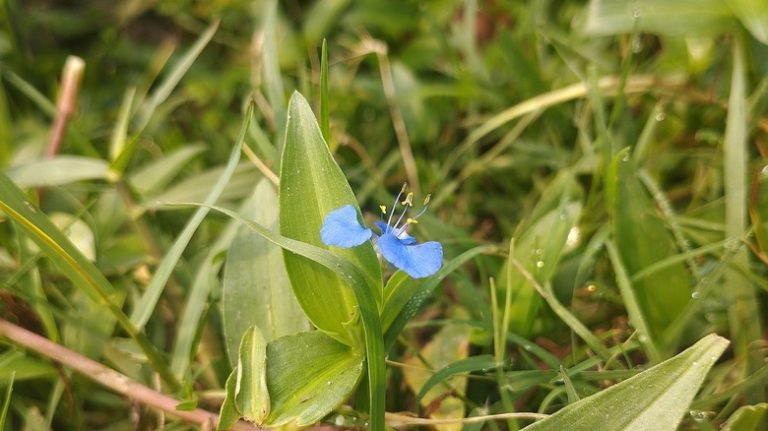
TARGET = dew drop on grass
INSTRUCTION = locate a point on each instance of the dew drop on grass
(661, 116)
(636, 14)
(539, 264)
(695, 295)
(625, 158)
(764, 171)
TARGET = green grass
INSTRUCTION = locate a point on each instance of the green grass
(598, 182)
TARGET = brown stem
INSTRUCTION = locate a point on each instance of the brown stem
(67, 103)
(111, 378)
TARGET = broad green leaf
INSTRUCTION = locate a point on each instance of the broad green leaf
(679, 17)
(58, 171)
(82, 273)
(655, 399)
(405, 295)
(256, 287)
(642, 240)
(747, 418)
(309, 375)
(251, 394)
(754, 15)
(311, 186)
(363, 291)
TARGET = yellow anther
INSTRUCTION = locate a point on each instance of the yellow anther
(426, 200)
(383, 209)
(408, 199)
(411, 220)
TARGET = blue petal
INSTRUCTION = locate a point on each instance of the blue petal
(341, 228)
(418, 261)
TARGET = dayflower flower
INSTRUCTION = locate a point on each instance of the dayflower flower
(342, 229)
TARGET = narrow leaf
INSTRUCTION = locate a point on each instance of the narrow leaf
(146, 305)
(58, 171)
(467, 365)
(747, 418)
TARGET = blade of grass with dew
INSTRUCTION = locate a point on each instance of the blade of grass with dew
(83, 274)
(144, 308)
(368, 309)
(743, 314)
(654, 399)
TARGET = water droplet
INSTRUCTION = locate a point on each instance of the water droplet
(636, 14)
(339, 420)
(695, 295)
(637, 45)
(539, 252)
(660, 116)
(764, 171)
(625, 158)
(328, 383)
(528, 347)
(540, 264)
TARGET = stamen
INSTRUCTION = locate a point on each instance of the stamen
(397, 199)
(383, 209)
(411, 221)
(408, 200)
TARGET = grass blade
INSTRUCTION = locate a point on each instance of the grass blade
(146, 305)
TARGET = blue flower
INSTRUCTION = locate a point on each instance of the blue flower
(342, 229)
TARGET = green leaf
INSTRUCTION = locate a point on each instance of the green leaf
(679, 17)
(256, 286)
(311, 186)
(642, 240)
(747, 418)
(754, 15)
(58, 171)
(467, 365)
(374, 340)
(228, 414)
(251, 394)
(309, 375)
(655, 399)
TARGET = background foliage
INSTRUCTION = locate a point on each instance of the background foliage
(610, 154)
